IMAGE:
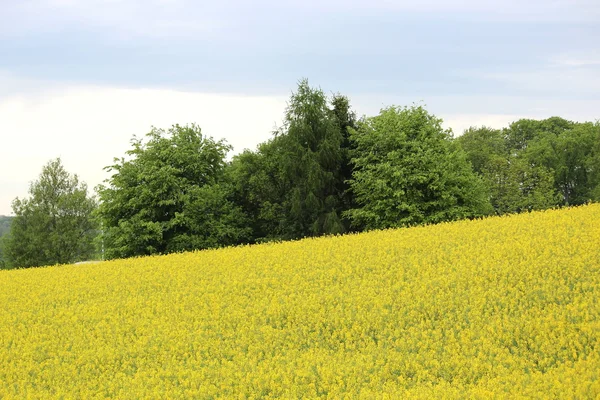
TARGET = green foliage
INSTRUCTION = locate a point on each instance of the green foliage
(169, 195)
(572, 155)
(5, 222)
(483, 145)
(536, 164)
(312, 157)
(520, 133)
(346, 121)
(295, 185)
(54, 225)
(408, 171)
(322, 172)
(515, 185)
(259, 188)
(593, 165)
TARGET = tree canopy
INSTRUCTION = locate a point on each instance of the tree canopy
(408, 171)
(54, 225)
(532, 165)
(295, 185)
(169, 195)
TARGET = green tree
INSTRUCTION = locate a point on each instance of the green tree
(212, 218)
(521, 132)
(260, 187)
(4, 230)
(295, 184)
(169, 195)
(408, 171)
(312, 157)
(346, 121)
(593, 164)
(482, 145)
(5, 222)
(2, 262)
(515, 185)
(54, 225)
(571, 154)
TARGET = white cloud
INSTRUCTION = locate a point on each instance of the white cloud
(87, 126)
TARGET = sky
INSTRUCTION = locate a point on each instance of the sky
(80, 78)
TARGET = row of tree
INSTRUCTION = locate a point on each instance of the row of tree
(536, 164)
(323, 172)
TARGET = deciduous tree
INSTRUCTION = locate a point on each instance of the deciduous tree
(54, 225)
(169, 195)
(408, 171)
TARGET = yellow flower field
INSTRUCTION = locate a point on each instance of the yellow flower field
(504, 307)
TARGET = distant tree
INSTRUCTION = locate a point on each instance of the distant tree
(5, 222)
(514, 182)
(169, 195)
(482, 145)
(4, 230)
(572, 155)
(408, 171)
(593, 164)
(521, 132)
(55, 224)
(515, 185)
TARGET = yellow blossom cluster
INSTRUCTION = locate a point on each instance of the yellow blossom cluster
(505, 307)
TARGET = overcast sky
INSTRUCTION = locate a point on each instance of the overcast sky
(79, 78)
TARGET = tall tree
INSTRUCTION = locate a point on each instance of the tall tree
(169, 195)
(312, 154)
(55, 224)
(408, 171)
(346, 121)
(295, 184)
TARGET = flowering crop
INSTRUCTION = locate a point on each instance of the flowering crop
(505, 307)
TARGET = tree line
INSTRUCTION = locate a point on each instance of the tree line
(323, 172)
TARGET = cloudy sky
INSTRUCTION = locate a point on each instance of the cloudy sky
(79, 78)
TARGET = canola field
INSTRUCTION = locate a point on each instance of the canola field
(504, 307)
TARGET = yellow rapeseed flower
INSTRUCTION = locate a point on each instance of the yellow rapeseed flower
(505, 307)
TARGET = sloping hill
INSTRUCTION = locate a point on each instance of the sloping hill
(502, 307)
